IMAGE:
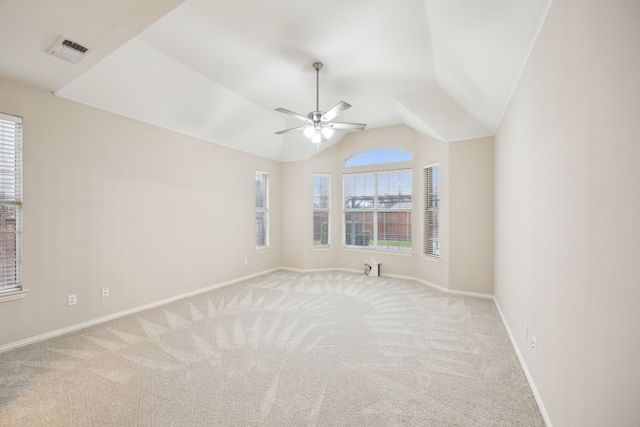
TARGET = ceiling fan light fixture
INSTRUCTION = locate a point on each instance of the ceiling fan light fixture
(327, 132)
(317, 137)
(309, 131)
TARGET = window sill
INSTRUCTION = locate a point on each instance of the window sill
(431, 258)
(265, 249)
(13, 295)
(322, 248)
(377, 251)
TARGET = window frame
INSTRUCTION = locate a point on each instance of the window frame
(322, 210)
(431, 211)
(375, 211)
(11, 179)
(262, 212)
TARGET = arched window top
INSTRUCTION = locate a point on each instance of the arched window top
(378, 156)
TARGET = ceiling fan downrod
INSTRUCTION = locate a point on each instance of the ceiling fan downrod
(317, 66)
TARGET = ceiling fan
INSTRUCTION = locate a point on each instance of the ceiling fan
(319, 127)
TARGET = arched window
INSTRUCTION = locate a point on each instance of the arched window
(377, 204)
(378, 156)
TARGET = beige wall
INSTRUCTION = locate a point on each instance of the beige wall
(296, 203)
(567, 180)
(471, 220)
(111, 202)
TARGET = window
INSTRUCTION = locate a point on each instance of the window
(321, 210)
(10, 201)
(378, 156)
(432, 210)
(262, 210)
(377, 210)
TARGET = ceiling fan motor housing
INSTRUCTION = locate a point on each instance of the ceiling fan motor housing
(316, 116)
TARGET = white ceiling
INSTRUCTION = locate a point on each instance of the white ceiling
(217, 69)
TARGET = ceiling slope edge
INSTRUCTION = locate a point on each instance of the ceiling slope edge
(183, 100)
(534, 40)
(435, 113)
(480, 50)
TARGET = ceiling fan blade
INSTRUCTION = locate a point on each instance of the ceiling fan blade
(335, 110)
(290, 130)
(296, 115)
(347, 126)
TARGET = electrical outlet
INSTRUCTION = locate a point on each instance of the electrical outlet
(72, 299)
(534, 347)
(246, 261)
(105, 292)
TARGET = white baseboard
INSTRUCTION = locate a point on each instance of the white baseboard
(314, 270)
(106, 318)
(536, 394)
(440, 288)
(395, 276)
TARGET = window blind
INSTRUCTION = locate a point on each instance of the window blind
(432, 210)
(378, 210)
(262, 210)
(10, 201)
(359, 207)
(321, 210)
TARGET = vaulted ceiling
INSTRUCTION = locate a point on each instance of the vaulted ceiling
(217, 69)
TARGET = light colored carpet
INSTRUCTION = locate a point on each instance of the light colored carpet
(283, 349)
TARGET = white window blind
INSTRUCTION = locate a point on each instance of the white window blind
(10, 201)
(262, 210)
(321, 210)
(432, 210)
(377, 210)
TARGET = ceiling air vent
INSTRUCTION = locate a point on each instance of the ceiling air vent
(68, 50)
